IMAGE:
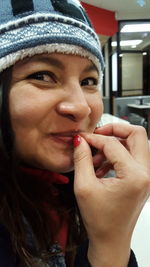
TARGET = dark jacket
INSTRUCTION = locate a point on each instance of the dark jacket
(9, 259)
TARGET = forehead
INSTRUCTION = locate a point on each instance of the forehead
(57, 60)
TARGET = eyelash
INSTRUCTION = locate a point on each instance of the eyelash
(94, 80)
(39, 75)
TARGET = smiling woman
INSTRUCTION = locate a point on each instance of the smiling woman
(52, 98)
(56, 206)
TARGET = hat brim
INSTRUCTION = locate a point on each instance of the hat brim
(51, 32)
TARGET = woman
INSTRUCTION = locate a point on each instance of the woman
(57, 209)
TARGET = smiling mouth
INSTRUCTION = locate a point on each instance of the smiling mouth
(66, 138)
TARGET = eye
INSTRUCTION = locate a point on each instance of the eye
(44, 76)
(90, 81)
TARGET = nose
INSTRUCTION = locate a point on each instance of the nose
(74, 104)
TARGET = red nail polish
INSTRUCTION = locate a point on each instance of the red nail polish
(76, 140)
(96, 129)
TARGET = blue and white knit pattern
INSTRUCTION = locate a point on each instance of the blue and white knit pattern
(46, 29)
(30, 24)
(36, 34)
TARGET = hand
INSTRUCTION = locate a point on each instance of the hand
(110, 206)
(100, 163)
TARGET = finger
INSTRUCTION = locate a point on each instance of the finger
(107, 130)
(113, 150)
(136, 138)
(122, 130)
(83, 166)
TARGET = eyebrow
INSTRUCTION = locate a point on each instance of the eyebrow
(45, 59)
(57, 63)
(92, 67)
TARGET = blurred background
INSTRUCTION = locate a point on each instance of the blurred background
(123, 27)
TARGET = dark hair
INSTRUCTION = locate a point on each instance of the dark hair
(24, 208)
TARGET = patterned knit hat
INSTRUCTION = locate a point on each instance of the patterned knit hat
(29, 27)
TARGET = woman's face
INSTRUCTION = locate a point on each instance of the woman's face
(52, 98)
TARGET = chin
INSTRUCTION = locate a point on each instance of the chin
(64, 168)
(58, 169)
(57, 166)
(67, 170)
(60, 162)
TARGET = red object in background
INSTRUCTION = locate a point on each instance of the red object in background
(103, 20)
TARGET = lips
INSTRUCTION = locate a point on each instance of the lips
(64, 137)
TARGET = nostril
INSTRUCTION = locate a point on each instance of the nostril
(71, 117)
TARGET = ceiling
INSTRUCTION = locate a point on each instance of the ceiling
(124, 9)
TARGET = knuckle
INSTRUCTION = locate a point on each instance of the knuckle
(140, 129)
(112, 140)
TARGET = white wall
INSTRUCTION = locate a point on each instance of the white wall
(132, 71)
(114, 72)
(106, 70)
(141, 237)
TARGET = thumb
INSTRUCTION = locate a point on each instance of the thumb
(83, 163)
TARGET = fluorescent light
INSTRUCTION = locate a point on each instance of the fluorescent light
(144, 53)
(141, 2)
(127, 43)
(140, 27)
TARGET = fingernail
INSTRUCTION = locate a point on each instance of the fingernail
(96, 128)
(76, 140)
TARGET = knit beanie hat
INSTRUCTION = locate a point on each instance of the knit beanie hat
(30, 27)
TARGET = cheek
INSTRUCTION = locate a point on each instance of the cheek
(21, 106)
(26, 108)
(23, 113)
(97, 109)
